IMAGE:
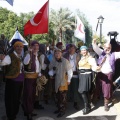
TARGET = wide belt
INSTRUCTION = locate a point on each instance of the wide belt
(31, 75)
(85, 70)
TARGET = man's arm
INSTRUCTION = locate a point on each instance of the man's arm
(5, 60)
(42, 59)
(70, 74)
(96, 48)
(27, 59)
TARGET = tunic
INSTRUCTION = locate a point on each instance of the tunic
(61, 68)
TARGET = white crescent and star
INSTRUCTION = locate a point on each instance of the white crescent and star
(32, 21)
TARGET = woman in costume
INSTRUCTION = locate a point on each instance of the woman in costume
(86, 65)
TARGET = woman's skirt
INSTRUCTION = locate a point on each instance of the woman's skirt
(85, 82)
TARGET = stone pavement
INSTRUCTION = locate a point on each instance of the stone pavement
(97, 112)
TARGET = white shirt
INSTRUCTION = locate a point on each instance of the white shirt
(72, 60)
(7, 61)
(42, 59)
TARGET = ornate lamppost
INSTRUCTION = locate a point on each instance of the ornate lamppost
(100, 21)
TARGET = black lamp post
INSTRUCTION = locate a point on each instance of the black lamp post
(100, 21)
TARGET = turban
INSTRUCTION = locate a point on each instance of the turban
(34, 42)
(83, 48)
(18, 43)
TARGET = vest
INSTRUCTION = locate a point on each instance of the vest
(84, 63)
(13, 70)
(111, 61)
(31, 67)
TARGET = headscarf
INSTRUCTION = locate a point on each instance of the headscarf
(83, 48)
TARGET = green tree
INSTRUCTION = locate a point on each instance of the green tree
(8, 22)
(61, 20)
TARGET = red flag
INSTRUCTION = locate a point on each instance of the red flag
(39, 23)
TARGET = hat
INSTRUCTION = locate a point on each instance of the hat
(80, 43)
(83, 48)
(18, 43)
(57, 49)
(34, 42)
(59, 43)
(14, 41)
(67, 46)
(72, 45)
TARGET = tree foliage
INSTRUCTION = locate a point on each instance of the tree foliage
(61, 25)
(62, 21)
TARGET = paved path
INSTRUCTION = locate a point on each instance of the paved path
(97, 112)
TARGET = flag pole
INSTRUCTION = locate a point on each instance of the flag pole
(75, 21)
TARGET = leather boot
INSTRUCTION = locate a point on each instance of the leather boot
(87, 109)
(29, 117)
(76, 106)
(106, 102)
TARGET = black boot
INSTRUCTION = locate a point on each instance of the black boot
(87, 109)
(29, 117)
(76, 106)
(38, 106)
(56, 111)
(33, 114)
(60, 114)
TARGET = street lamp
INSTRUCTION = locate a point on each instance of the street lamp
(100, 21)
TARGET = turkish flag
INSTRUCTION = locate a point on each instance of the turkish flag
(39, 23)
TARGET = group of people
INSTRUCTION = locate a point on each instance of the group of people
(73, 73)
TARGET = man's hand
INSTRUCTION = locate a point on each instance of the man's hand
(30, 49)
(68, 83)
(98, 68)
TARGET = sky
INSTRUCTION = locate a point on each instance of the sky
(109, 9)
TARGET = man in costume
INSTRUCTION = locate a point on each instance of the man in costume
(63, 74)
(32, 71)
(104, 78)
(44, 71)
(73, 94)
(14, 80)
